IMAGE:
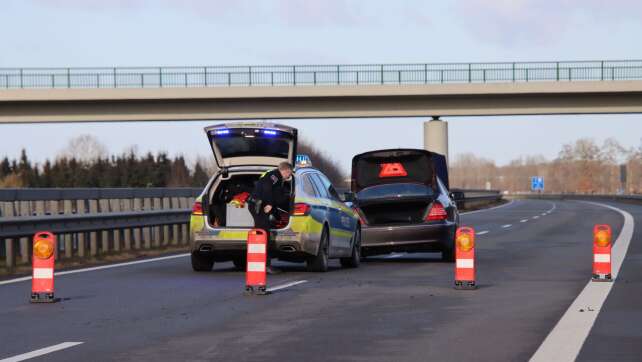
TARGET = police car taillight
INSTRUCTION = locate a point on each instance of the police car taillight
(437, 212)
(197, 209)
(301, 209)
(395, 169)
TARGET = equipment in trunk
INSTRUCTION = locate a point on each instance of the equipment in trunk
(395, 203)
(229, 206)
(412, 212)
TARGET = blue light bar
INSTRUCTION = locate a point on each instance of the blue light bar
(303, 161)
(221, 132)
(269, 132)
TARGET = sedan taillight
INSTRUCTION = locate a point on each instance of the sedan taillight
(437, 212)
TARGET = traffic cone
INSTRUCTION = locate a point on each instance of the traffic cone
(255, 279)
(42, 282)
(465, 258)
(602, 253)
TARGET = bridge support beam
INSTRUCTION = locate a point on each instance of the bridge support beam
(436, 136)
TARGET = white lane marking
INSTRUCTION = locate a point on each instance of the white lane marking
(482, 232)
(523, 220)
(507, 226)
(492, 208)
(22, 279)
(286, 285)
(552, 208)
(465, 263)
(41, 352)
(536, 217)
(565, 341)
(544, 214)
(392, 256)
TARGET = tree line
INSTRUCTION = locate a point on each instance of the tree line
(84, 163)
(126, 170)
(580, 167)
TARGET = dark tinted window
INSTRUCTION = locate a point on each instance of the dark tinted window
(395, 190)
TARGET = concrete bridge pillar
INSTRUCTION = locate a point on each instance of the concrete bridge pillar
(436, 136)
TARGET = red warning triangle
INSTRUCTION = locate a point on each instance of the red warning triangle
(392, 170)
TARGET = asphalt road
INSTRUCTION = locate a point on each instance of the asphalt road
(533, 259)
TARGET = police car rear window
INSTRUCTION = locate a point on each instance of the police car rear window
(244, 146)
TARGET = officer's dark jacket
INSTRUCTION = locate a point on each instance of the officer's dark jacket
(270, 188)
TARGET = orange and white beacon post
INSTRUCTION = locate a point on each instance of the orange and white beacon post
(602, 253)
(255, 280)
(465, 258)
(42, 282)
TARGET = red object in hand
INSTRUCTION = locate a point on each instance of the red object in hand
(240, 199)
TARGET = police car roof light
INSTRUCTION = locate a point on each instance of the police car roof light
(220, 132)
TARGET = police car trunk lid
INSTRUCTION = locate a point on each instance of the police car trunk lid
(252, 144)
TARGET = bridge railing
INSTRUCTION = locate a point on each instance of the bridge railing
(319, 75)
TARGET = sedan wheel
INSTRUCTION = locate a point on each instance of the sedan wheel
(355, 258)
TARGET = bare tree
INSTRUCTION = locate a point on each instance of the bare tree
(84, 148)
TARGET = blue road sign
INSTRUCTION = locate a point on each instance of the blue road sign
(537, 183)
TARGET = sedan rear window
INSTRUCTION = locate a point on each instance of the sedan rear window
(395, 190)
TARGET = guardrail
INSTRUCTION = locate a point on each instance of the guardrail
(636, 199)
(470, 199)
(93, 222)
(318, 75)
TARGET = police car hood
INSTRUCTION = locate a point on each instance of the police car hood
(397, 166)
(252, 144)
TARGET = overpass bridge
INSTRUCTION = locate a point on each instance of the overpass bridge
(29, 95)
(323, 91)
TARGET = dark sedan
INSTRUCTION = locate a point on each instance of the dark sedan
(403, 200)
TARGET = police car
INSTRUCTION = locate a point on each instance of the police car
(311, 226)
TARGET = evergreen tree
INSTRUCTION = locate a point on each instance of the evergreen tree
(200, 177)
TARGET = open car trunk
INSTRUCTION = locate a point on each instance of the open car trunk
(387, 213)
(228, 206)
(397, 203)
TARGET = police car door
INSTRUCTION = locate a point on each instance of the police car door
(340, 221)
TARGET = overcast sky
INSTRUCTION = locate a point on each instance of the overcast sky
(75, 33)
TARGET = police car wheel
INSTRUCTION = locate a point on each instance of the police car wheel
(319, 262)
(202, 263)
(355, 258)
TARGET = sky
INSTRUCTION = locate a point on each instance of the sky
(78, 33)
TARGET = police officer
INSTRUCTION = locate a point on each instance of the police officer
(269, 192)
